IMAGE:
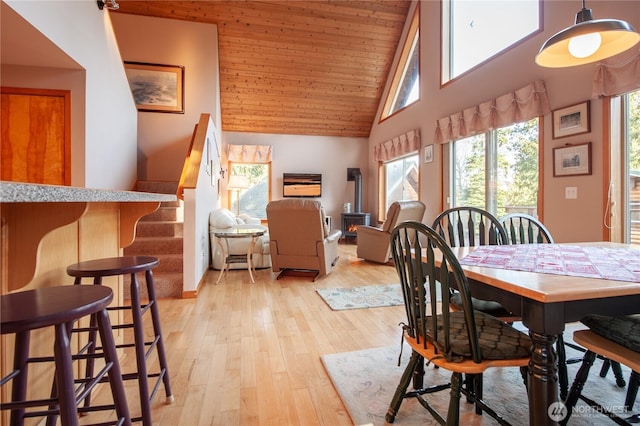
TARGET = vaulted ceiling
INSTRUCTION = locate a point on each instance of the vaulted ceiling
(313, 67)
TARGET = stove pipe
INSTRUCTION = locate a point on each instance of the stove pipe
(358, 195)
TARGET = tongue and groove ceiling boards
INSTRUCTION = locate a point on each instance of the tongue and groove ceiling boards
(314, 67)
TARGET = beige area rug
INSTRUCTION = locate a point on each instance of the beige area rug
(368, 296)
(367, 379)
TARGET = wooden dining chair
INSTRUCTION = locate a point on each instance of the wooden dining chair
(465, 342)
(468, 226)
(617, 339)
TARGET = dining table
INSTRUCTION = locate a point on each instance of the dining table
(562, 285)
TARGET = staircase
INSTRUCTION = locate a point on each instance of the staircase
(160, 234)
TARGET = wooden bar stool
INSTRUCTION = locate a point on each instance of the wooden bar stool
(58, 307)
(132, 265)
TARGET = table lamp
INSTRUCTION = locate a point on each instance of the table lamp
(237, 183)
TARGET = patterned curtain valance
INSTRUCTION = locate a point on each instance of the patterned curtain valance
(249, 153)
(617, 75)
(398, 146)
(521, 105)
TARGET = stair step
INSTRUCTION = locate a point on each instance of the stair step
(166, 285)
(163, 214)
(159, 229)
(155, 246)
(160, 187)
(169, 263)
(176, 204)
(160, 234)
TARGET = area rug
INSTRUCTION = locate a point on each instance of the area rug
(369, 296)
(366, 381)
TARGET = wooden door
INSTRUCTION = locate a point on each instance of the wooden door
(35, 132)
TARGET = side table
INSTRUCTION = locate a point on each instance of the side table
(253, 233)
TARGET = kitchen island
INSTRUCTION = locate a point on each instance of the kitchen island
(45, 228)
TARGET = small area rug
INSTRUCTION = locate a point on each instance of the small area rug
(366, 381)
(369, 296)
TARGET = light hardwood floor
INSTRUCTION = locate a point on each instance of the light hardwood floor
(243, 353)
(249, 354)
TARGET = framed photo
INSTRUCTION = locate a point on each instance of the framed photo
(572, 120)
(572, 160)
(156, 88)
(428, 153)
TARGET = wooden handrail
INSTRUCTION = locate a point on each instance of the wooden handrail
(191, 168)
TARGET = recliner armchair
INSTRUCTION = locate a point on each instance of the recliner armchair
(374, 243)
(300, 238)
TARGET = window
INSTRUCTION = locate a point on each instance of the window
(405, 86)
(630, 138)
(497, 171)
(400, 180)
(254, 195)
(474, 31)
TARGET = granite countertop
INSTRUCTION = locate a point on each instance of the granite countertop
(13, 192)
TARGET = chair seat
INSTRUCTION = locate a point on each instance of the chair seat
(465, 366)
(498, 340)
(622, 330)
(612, 350)
(112, 266)
(32, 309)
(595, 345)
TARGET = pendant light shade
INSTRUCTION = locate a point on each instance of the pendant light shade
(587, 41)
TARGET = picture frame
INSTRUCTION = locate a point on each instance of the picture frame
(572, 160)
(428, 153)
(156, 87)
(572, 120)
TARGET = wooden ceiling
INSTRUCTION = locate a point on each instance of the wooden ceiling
(314, 67)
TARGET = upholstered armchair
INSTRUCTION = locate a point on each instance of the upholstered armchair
(374, 243)
(300, 238)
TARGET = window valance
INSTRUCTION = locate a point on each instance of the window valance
(249, 153)
(617, 75)
(521, 105)
(401, 145)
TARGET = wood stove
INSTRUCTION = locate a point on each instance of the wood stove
(350, 222)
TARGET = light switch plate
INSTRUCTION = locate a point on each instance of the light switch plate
(570, 192)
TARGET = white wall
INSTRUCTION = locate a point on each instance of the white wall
(198, 203)
(164, 138)
(104, 119)
(330, 156)
(509, 71)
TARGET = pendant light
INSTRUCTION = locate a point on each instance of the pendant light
(587, 41)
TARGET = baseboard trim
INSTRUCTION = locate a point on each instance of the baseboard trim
(190, 294)
(193, 294)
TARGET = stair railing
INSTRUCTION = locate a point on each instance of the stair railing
(198, 191)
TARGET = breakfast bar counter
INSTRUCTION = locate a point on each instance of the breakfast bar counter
(47, 227)
(44, 229)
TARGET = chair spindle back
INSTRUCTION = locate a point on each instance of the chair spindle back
(522, 228)
(469, 226)
(427, 269)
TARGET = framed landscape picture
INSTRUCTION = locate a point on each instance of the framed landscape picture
(571, 120)
(428, 153)
(156, 88)
(572, 160)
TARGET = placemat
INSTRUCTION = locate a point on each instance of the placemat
(620, 264)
